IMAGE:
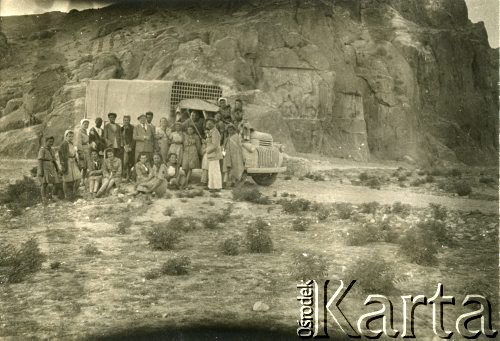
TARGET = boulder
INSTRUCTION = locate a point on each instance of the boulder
(12, 105)
(260, 306)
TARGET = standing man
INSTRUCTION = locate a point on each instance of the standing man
(144, 138)
(237, 114)
(149, 120)
(113, 136)
(214, 155)
(100, 144)
(128, 146)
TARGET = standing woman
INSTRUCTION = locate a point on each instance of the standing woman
(82, 143)
(68, 157)
(192, 151)
(176, 141)
(163, 138)
(47, 169)
(214, 155)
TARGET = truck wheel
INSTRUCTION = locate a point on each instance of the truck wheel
(264, 179)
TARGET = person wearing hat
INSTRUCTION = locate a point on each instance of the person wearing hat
(128, 147)
(111, 172)
(214, 155)
(71, 175)
(47, 171)
(144, 139)
(113, 135)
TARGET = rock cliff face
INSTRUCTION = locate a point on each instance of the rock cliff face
(358, 79)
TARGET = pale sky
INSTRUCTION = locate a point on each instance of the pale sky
(479, 10)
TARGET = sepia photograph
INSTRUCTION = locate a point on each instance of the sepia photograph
(249, 169)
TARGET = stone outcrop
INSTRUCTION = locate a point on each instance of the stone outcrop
(359, 79)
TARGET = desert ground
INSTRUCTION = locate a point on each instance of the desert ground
(103, 277)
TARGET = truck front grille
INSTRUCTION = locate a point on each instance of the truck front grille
(268, 157)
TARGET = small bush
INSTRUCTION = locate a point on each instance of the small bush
(437, 172)
(184, 224)
(315, 176)
(18, 263)
(374, 183)
(55, 265)
(370, 207)
(429, 178)
(438, 211)
(15, 209)
(152, 274)
(284, 194)
(91, 250)
(462, 188)
(418, 246)
(402, 178)
(418, 182)
(363, 177)
(438, 230)
(373, 276)
(169, 211)
(402, 210)
(295, 206)
(307, 266)
(371, 233)
(421, 172)
(300, 224)
(124, 226)
(250, 194)
(231, 246)
(455, 172)
(344, 210)
(23, 193)
(161, 238)
(258, 237)
(176, 266)
(323, 213)
(211, 221)
(487, 180)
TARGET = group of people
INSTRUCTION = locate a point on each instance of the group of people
(155, 158)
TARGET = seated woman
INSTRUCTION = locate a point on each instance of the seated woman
(142, 169)
(94, 172)
(156, 179)
(112, 172)
(175, 176)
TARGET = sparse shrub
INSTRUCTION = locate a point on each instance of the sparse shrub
(124, 225)
(258, 238)
(373, 275)
(315, 176)
(169, 211)
(226, 213)
(429, 178)
(300, 224)
(437, 172)
(438, 211)
(362, 235)
(17, 264)
(211, 221)
(307, 266)
(438, 230)
(455, 172)
(180, 194)
(323, 213)
(15, 209)
(402, 178)
(295, 206)
(250, 194)
(288, 177)
(421, 172)
(23, 193)
(284, 194)
(374, 182)
(487, 180)
(91, 249)
(363, 177)
(402, 210)
(418, 246)
(409, 173)
(418, 182)
(184, 224)
(161, 238)
(370, 207)
(55, 265)
(231, 246)
(152, 274)
(176, 266)
(462, 188)
(344, 210)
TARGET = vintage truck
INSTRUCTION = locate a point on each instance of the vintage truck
(263, 158)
